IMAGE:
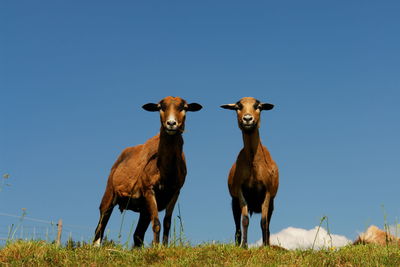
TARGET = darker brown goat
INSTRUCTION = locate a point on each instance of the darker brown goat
(147, 178)
(253, 179)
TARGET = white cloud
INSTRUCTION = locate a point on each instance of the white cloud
(297, 238)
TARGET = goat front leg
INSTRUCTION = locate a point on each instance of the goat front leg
(153, 211)
(266, 213)
(167, 218)
(236, 216)
(245, 218)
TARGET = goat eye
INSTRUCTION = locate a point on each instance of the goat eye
(182, 107)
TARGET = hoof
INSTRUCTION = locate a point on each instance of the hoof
(97, 243)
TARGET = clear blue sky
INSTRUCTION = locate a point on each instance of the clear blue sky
(74, 75)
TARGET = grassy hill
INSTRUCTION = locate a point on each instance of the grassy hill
(38, 253)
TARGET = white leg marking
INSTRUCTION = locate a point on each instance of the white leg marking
(97, 243)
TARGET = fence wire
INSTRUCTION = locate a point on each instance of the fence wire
(20, 227)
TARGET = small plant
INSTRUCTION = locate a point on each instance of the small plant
(385, 223)
(181, 230)
(108, 242)
(4, 180)
(71, 244)
(324, 218)
(121, 225)
(13, 230)
(126, 245)
(178, 239)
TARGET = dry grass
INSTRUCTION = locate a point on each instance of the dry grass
(44, 254)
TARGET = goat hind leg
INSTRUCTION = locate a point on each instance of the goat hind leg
(153, 211)
(143, 224)
(270, 210)
(106, 208)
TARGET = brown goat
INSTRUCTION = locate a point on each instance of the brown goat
(253, 179)
(147, 178)
(374, 235)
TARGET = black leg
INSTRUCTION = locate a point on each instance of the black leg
(167, 218)
(143, 224)
(270, 210)
(236, 216)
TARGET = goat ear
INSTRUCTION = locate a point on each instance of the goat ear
(151, 107)
(266, 106)
(229, 106)
(193, 107)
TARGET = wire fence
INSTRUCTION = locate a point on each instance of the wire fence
(22, 227)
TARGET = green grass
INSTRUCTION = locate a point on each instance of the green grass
(39, 253)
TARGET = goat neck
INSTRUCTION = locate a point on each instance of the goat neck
(170, 148)
(251, 141)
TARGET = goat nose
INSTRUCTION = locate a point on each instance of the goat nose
(247, 117)
(171, 122)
